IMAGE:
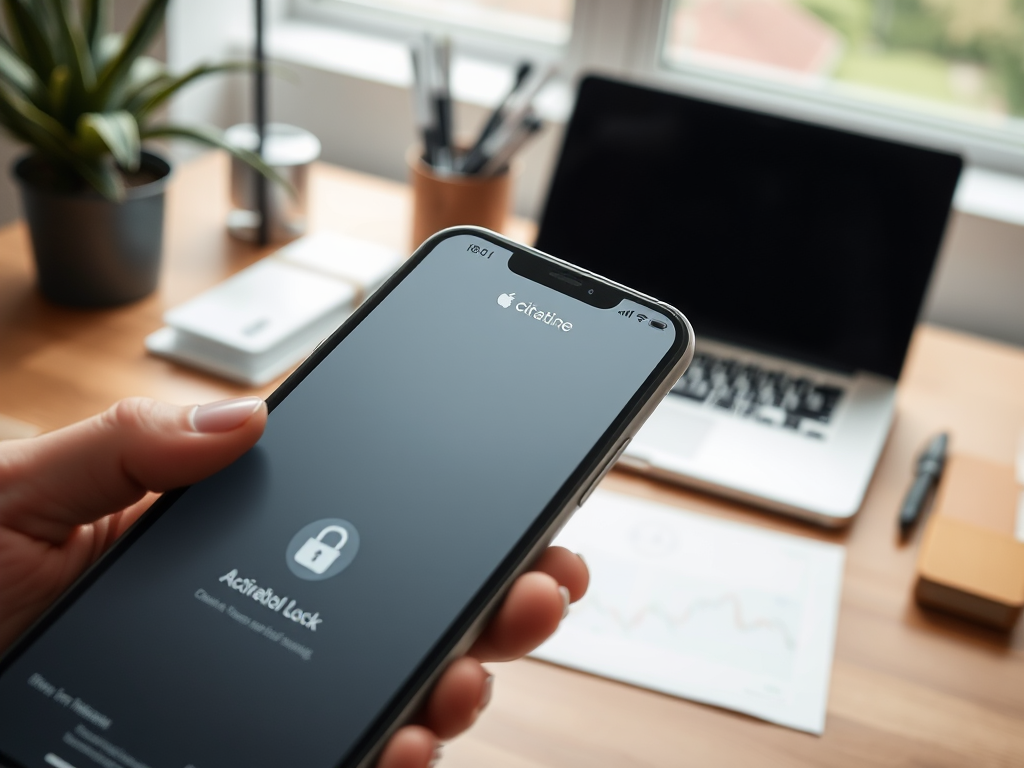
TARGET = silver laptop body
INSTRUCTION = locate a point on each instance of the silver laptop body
(801, 255)
(736, 440)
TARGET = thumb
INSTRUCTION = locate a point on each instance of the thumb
(53, 483)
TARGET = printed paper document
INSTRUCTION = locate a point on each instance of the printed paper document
(702, 608)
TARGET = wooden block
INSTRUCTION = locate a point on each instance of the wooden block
(970, 563)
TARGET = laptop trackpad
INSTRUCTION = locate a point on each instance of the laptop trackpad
(676, 434)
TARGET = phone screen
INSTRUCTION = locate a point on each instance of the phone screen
(273, 612)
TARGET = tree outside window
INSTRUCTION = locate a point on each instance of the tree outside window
(963, 53)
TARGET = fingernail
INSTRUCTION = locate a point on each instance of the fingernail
(224, 415)
(485, 695)
(436, 757)
(581, 557)
(566, 598)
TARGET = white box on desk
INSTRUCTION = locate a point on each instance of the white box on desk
(262, 321)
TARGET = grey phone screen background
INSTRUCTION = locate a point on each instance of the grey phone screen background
(439, 429)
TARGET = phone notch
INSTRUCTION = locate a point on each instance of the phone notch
(578, 285)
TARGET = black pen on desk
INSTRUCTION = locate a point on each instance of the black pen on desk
(498, 115)
(929, 469)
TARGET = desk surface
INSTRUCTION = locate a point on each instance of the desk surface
(908, 687)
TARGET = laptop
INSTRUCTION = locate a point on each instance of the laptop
(800, 254)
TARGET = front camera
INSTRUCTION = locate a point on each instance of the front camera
(591, 291)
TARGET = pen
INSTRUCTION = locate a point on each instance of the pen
(421, 105)
(522, 72)
(516, 113)
(443, 103)
(530, 125)
(426, 64)
(929, 469)
(508, 132)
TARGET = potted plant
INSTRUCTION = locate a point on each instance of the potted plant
(84, 99)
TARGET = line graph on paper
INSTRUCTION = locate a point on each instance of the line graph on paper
(703, 608)
(731, 602)
(744, 628)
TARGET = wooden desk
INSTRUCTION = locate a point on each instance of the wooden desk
(909, 688)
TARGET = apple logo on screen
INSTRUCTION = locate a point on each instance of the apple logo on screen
(505, 299)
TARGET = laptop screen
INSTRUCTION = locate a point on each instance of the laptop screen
(777, 235)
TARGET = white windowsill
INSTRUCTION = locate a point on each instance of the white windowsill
(991, 195)
(982, 192)
(387, 61)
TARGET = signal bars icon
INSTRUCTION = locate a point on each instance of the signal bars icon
(640, 317)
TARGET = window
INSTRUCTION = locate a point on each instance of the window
(547, 20)
(948, 73)
(498, 28)
(966, 56)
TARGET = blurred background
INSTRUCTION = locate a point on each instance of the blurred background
(944, 73)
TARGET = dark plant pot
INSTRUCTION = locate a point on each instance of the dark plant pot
(91, 252)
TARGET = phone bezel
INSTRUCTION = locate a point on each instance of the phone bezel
(470, 621)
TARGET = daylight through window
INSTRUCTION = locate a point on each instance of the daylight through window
(964, 54)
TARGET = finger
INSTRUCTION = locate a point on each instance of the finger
(530, 614)
(109, 529)
(460, 695)
(411, 747)
(567, 568)
(53, 483)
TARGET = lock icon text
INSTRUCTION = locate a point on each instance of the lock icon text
(316, 555)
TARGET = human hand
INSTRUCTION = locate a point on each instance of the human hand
(66, 496)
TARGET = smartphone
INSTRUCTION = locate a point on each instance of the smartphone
(294, 608)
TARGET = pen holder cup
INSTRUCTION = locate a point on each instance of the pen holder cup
(448, 200)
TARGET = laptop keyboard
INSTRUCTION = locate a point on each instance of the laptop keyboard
(770, 397)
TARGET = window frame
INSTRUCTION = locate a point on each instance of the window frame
(626, 39)
(500, 45)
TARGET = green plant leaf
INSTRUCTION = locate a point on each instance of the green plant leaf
(214, 138)
(97, 174)
(71, 41)
(103, 178)
(48, 133)
(146, 73)
(114, 73)
(108, 47)
(20, 75)
(58, 90)
(80, 96)
(33, 126)
(29, 39)
(156, 93)
(116, 131)
(145, 70)
(95, 14)
(12, 126)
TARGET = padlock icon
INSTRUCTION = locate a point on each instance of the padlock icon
(318, 556)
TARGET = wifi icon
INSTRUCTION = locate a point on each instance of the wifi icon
(626, 312)
(641, 318)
